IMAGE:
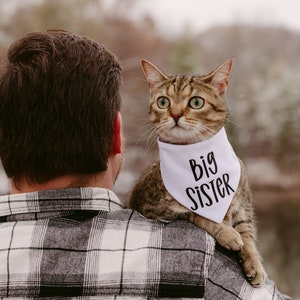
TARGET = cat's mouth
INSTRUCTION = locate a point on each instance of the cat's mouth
(178, 134)
(179, 125)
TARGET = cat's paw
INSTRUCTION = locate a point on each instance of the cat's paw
(230, 239)
(254, 271)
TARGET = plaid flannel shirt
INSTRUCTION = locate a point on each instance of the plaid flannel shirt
(82, 244)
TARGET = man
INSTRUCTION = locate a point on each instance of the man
(63, 232)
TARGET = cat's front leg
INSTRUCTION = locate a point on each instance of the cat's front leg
(252, 266)
(225, 234)
(251, 259)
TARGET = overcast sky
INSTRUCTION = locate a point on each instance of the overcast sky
(172, 15)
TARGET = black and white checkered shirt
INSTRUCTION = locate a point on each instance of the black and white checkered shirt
(82, 244)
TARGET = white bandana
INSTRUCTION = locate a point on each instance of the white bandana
(203, 176)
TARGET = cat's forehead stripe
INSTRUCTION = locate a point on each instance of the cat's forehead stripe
(180, 84)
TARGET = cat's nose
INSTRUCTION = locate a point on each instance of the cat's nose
(176, 117)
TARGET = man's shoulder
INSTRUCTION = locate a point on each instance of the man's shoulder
(179, 234)
(133, 216)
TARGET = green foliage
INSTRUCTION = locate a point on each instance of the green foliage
(184, 54)
(287, 146)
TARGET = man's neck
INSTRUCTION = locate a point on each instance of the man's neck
(23, 186)
(104, 179)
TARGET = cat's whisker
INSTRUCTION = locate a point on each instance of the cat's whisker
(203, 134)
(152, 133)
(229, 120)
(210, 131)
(148, 130)
(151, 141)
(198, 136)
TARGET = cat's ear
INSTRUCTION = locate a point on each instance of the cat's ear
(152, 73)
(219, 77)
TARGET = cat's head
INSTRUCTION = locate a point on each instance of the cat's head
(187, 109)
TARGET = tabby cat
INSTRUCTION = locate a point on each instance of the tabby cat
(185, 110)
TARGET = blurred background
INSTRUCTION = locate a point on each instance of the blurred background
(196, 36)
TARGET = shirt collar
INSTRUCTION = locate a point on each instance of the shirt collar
(60, 200)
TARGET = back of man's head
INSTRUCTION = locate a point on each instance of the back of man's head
(59, 95)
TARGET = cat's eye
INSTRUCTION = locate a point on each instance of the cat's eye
(196, 102)
(163, 102)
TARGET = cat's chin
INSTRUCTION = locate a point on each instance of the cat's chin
(179, 136)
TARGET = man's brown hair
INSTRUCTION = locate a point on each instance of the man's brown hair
(59, 95)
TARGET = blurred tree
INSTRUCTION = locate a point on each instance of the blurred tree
(184, 57)
(81, 16)
(287, 144)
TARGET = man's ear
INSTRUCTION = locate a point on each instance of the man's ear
(117, 138)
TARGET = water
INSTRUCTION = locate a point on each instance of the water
(278, 224)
